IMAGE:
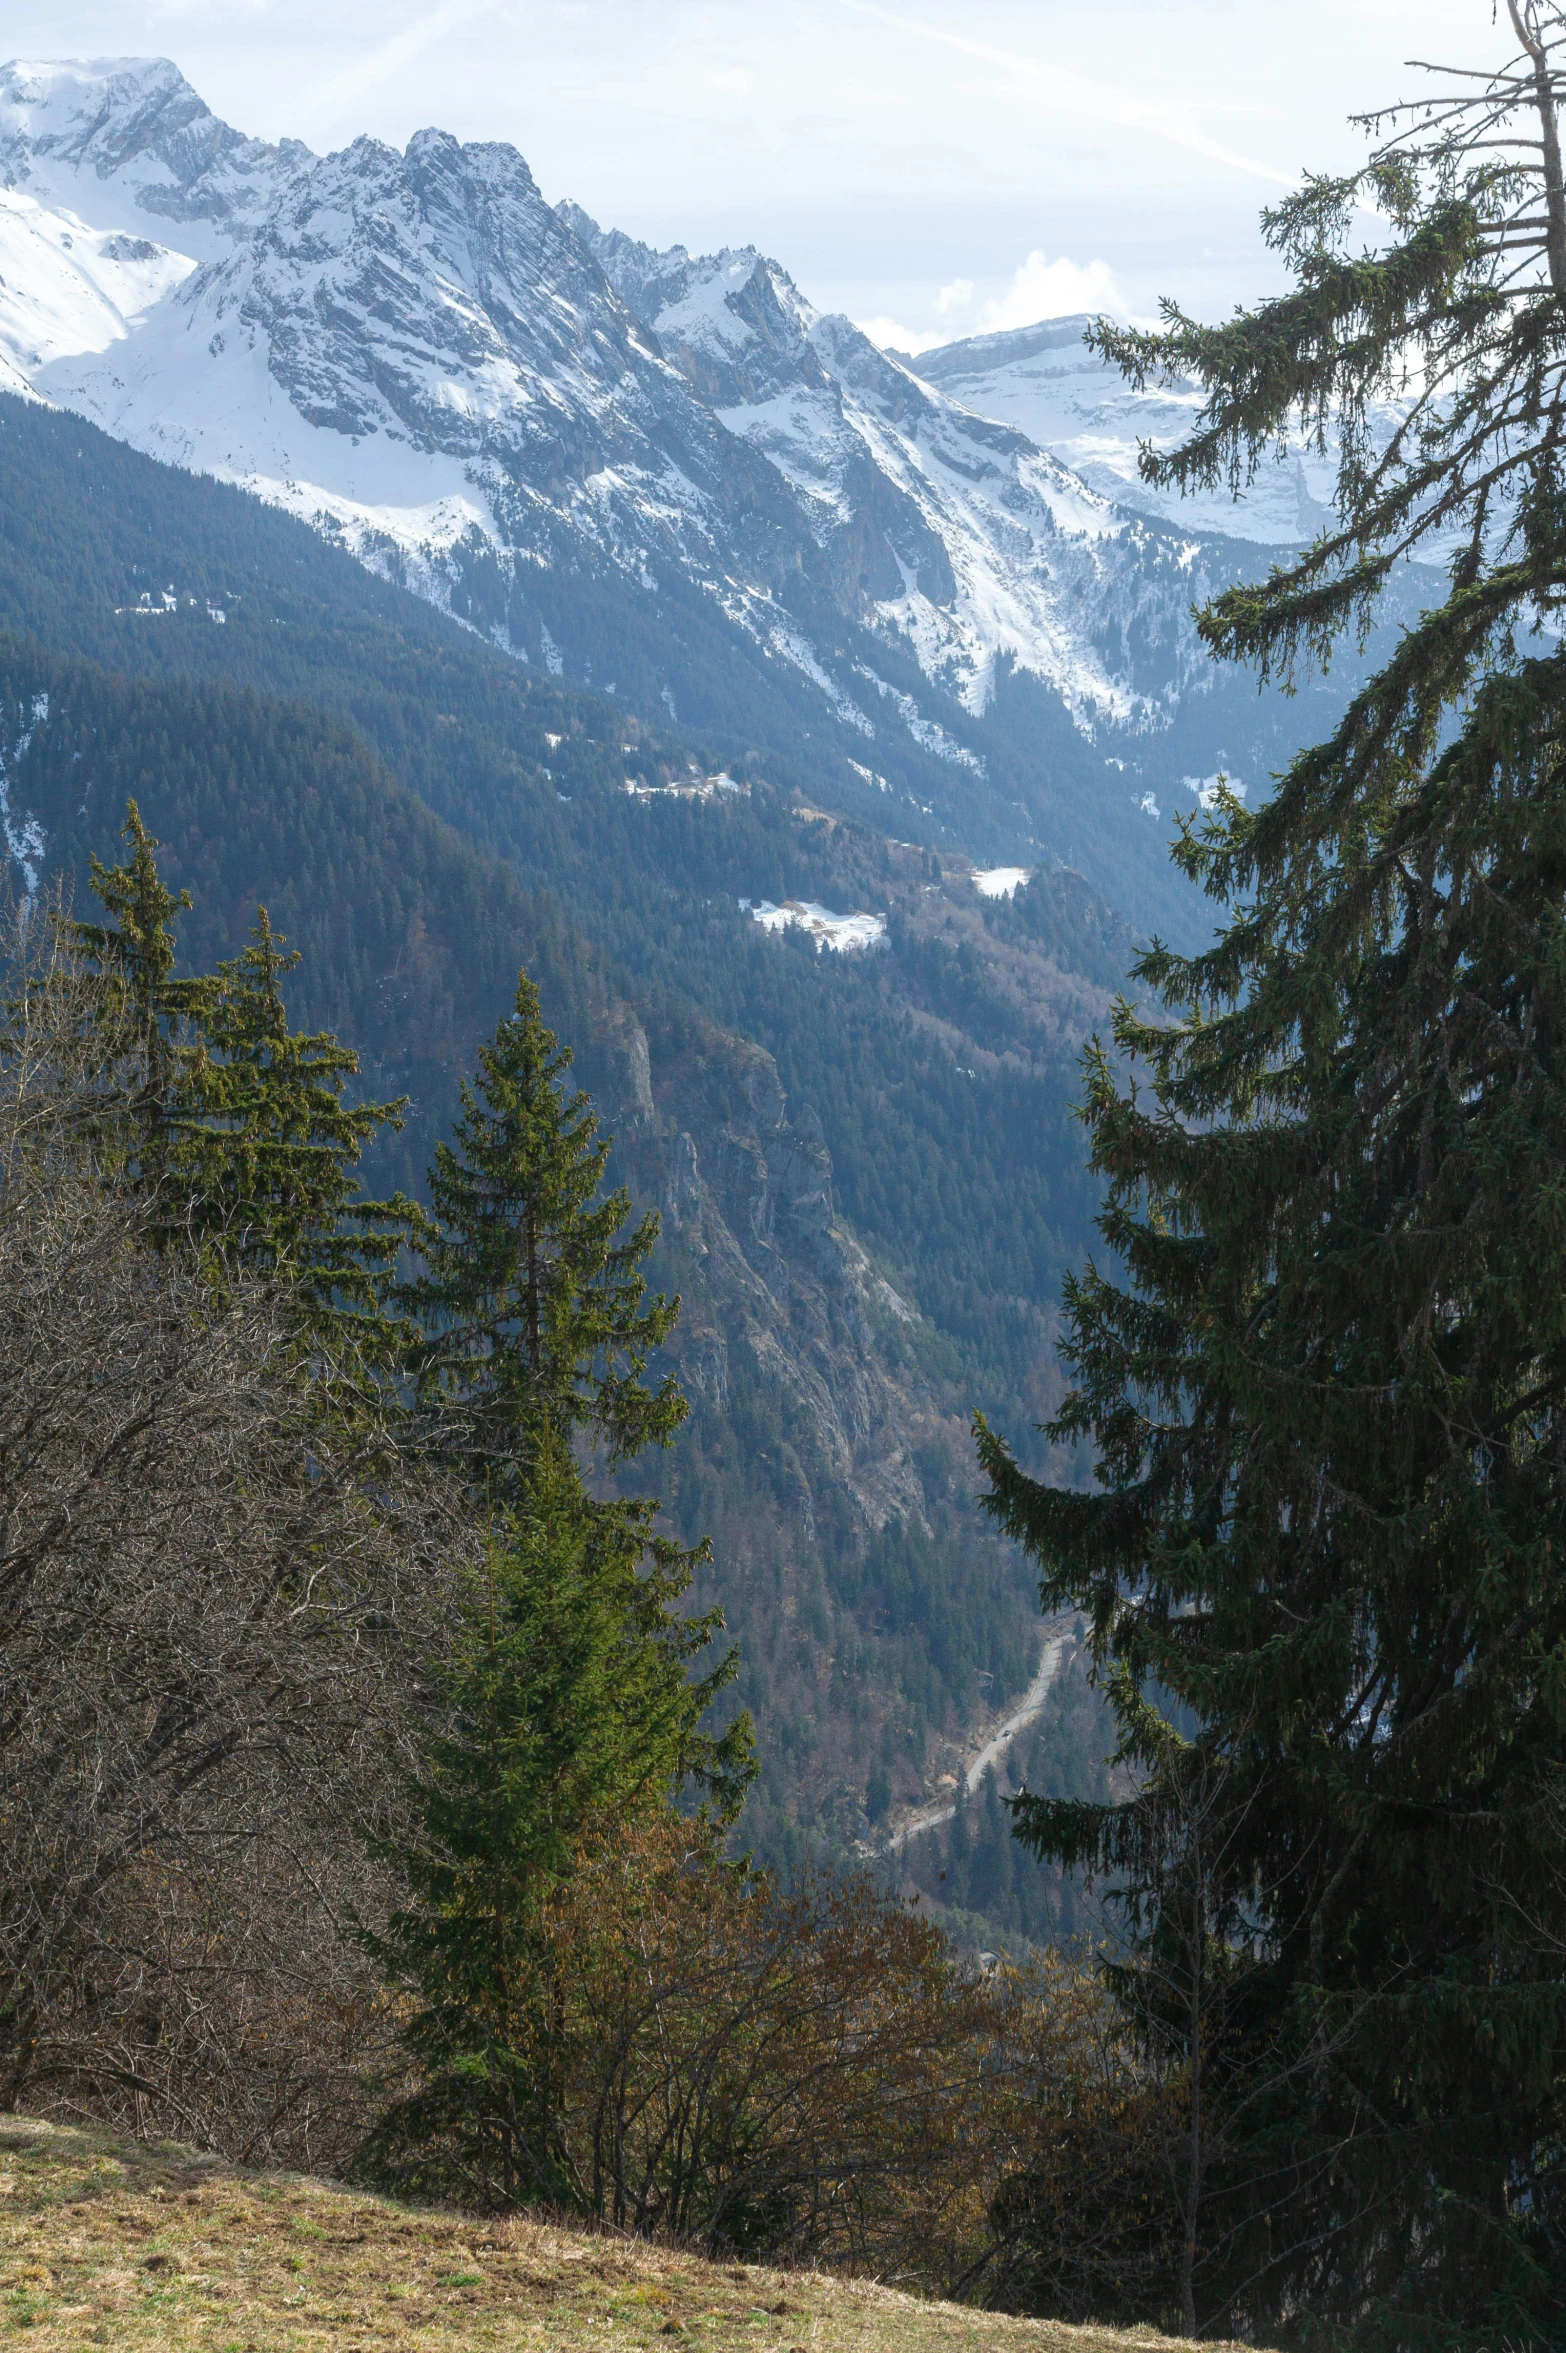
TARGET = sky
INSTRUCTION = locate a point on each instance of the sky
(935, 168)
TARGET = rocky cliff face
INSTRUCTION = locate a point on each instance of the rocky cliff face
(824, 1447)
(662, 473)
(752, 1240)
(946, 527)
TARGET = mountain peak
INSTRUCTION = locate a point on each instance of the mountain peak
(734, 322)
(95, 109)
(1003, 347)
(72, 126)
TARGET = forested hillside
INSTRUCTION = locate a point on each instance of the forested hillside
(418, 1614)
(98, 541)
(921, 1089)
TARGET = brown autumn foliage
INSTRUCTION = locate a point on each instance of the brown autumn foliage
(814, 2075)
(746, 2067)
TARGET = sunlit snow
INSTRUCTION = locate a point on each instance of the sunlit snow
(412, 436)
(67, 288)
(684, 788)
(841, 932)
(1000, 882)
(1207, 788)
(1044, 381)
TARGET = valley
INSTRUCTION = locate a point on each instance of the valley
(662, 476)
(783, 1119)
(480, 587)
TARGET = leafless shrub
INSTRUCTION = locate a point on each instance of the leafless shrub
(808, 2075)
(796, 2072)
(213, 1598)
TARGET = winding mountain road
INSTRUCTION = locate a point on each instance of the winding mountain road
(1058, 1644)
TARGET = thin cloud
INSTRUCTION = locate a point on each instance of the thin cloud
(184, 9)
(386, 62)
(1082, 94)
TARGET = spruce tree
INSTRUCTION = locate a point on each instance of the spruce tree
(269, 1158)
(533, 1289)
(568, 1713)
(572, 1706)
(1324, 1376)
(144, 1009)
(234, 1123)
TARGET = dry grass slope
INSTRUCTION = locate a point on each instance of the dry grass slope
(110, 2242)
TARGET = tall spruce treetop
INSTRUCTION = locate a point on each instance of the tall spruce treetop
(1325, 1383)
(233, 1120)
(577, 1702)
(534, 1291)
(145, 1008)
(270, 1160)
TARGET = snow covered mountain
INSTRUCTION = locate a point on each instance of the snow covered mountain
(408, 347)
(1044, 381)
(957, 533)
(665, 475)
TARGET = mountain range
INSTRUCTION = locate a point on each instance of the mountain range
(665, 476)
(480, 586)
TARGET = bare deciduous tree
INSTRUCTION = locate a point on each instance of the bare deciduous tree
(214, 1588)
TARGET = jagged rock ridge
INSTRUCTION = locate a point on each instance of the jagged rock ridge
(665, 474)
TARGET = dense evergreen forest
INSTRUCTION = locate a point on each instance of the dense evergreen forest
(939, 1073)
(97, 541)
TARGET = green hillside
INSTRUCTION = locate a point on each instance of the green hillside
(420, 814)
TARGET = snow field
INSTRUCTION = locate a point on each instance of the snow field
(842, 933)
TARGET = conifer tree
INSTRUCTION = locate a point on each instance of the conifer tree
(569, 1713)
(1325, 1383)
(572, 1707)
(234, 1121)
(145, 1008)
(533, 1289)
(269, 1159)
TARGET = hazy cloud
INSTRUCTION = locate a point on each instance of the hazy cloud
(384, 63)
(1060, 87)
(1039, 289)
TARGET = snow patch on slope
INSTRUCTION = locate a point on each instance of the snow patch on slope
(67, 288)
(843, 933)
(24, 836)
